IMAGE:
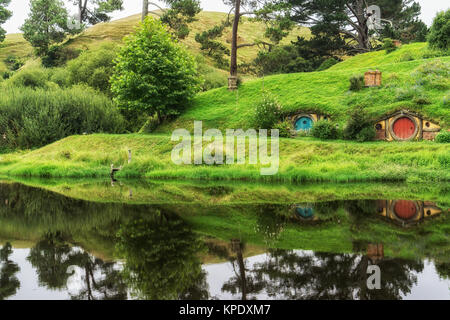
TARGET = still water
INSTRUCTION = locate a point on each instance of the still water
(58, 247)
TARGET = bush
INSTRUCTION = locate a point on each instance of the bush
(32, 78)
(58, 56)
(154, 74)
(367, 133)
(285, 129)
(443, 137)
(439, 36)
(94, 68)
(359, 125)
(285, 59)
(327, 64)
(267, 113)
(34, 118)
(325, 130)
(60, 76)
(13, 63)
(389, 46)
(357, 83)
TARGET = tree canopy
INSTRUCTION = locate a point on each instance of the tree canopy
(5, 14)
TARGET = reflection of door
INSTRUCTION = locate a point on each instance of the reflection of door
(303, 123)
(405, 209)
(404, 128)
(306, 213)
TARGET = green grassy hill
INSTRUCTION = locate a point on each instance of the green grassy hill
(115, 31)
(411, 81)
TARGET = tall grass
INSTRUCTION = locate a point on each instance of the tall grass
(32, 118)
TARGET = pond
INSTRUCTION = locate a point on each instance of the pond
(86, 241)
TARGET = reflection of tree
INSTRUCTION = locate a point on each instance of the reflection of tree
(101, 281)
(52, 257)
(289, 275)
(8, 281)
(161, 258)
(443, 269)
(242, 282)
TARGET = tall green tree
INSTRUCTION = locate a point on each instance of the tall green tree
(95, 11)
(277, 26)
(5, 14)
(178, 16)
(46, 24)
(154, 74)
(345, 23)
(440, 31)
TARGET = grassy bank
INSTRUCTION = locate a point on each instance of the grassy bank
(301, 160)
(410, 81)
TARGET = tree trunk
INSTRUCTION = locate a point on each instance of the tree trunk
(233, 63)
(144, 9)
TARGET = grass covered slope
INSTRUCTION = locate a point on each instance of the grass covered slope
(420, 85)
(300, 160)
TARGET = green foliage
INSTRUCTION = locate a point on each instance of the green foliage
(96, 11)
(285, 59)
(153, 73)
(58, 55)
(60, 76)
(443, 137)
(212, 78)
(5, 14)
(359, 126)
(357, 82)
(325, 130)
(267, 112)
(14, 63)
(213, 47)
(388, 45)
(327, 64)
(285, 129)
(93, 68)
(179, 15)
(30, 77)
(32, 118)
(46, 24)
(439, 36)
(367, 133)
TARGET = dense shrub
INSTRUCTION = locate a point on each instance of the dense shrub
(285, 59)
(30, 77)
(267, 113)
(367, 133)
(389, 45)
(325, 130)
(33, 118)
(13, 63)
(61, 77)
(154, 74)
(439, 36)
(327, 64)
(359, 126)
(443, 137)
(357, 82)
(285, 129)
(93, 68)
(58, 55)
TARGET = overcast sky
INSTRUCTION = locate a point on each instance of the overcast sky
(20, 10)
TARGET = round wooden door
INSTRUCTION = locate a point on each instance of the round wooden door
(405, 209)
(304, 123)
(404, 128)
(305, 213)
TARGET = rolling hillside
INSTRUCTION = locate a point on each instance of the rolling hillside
(410, 81)
(115, 31)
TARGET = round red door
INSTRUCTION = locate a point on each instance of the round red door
(405, 209)
(404, 128)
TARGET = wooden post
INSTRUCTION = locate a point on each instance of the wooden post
(129, 156)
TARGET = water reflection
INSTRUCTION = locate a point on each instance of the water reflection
(87, 250)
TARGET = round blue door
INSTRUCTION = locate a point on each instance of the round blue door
(304, 123)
